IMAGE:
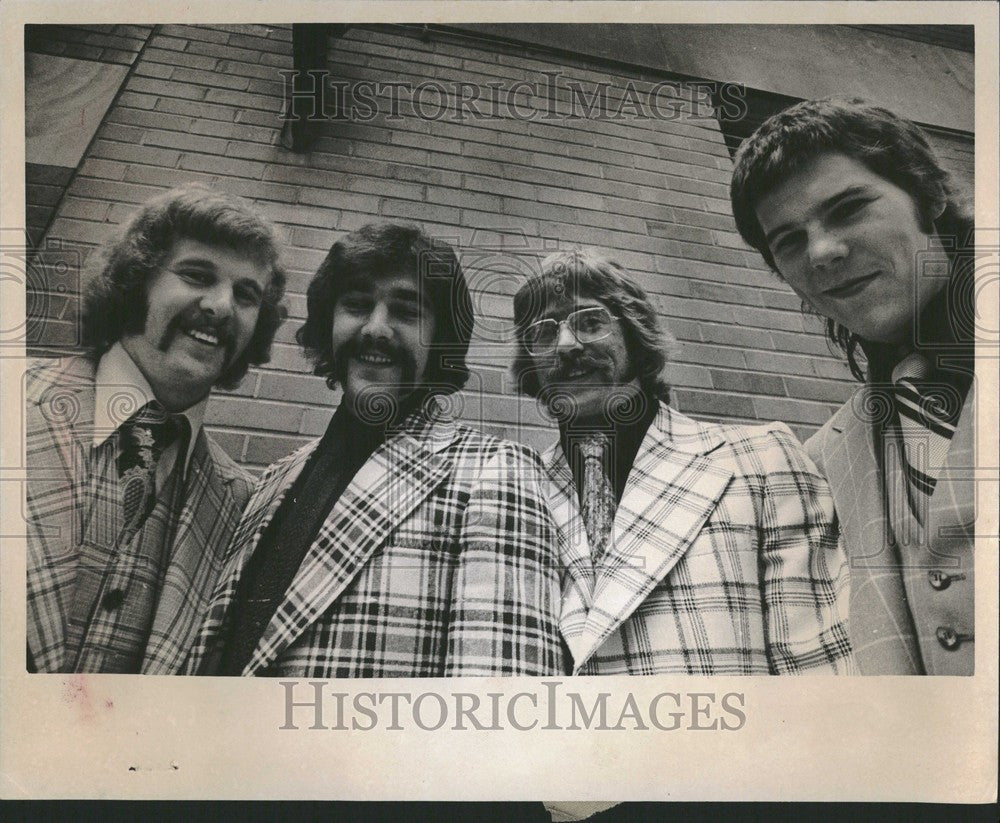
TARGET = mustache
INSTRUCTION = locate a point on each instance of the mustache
(197, 320)
(571, 362)
(384, 348)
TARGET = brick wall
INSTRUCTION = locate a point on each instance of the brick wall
(115, 44)
(203, 103)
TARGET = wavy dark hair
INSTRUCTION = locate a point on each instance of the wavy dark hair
(379, 249)
(115, 300)
(891, 147)
(583, 272)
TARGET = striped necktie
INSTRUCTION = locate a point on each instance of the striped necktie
(598, 498)
(927, 411)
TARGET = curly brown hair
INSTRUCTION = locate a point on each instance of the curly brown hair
(378, 249)
(115, 300)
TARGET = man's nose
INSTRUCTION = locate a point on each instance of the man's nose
(565, 339)
(218, 302)
(377, 325)
(825, 248)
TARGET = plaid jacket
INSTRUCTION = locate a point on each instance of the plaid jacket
(907, 581)
(724, 559)
(438, 559)
(59, 421)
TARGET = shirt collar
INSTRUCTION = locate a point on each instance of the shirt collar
(121, 390)
(914, 366)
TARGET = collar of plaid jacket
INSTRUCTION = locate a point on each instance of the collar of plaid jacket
(394, 480)
(59, 435)
(673, 479)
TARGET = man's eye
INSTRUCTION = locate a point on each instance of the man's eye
(195, 275)
(406, 311)
(848, 208)
(248, 296)
(354, 304)
(786, 243)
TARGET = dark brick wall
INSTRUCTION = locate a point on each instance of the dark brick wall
(101, 43)
(203, 103)
(54, 268)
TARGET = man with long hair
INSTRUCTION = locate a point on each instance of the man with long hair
(848, 204)
(688, 547)
(400, 543)
(130, 503)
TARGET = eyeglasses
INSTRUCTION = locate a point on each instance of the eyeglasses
(586, 325)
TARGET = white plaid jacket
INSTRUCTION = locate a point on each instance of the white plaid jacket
(59, 427)
(903, 588)
(439, 559)
(724, 559)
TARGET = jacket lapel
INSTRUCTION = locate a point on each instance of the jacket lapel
(209, 510)
(577, 583)
(267, 495)
(59, 427)
(881, 626)
(952, 511)
(671, 491)
(397, 477)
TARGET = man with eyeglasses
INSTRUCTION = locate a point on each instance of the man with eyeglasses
(688, 547)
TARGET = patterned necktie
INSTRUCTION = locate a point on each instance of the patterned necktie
(142, 440)
(928, 411)
(598, 498)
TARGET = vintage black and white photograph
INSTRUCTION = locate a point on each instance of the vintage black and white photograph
(480, 357)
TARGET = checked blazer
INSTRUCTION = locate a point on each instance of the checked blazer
(724, 559)
(59, 428)
(439, 559)
(909, 582)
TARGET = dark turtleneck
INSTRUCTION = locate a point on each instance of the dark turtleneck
(343, 450)
(624, 441)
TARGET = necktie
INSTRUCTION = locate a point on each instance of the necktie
(598, 498)
(927, 411)
(142, 440)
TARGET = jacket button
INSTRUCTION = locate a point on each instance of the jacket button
(949, 638)
(942, 580)
(113, 599)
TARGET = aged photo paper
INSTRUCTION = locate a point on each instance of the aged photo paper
(667, 738)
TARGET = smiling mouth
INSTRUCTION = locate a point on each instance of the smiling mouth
(204, 337)
(851, 286)
(375, 360)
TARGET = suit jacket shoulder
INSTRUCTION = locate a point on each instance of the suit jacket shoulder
(763, 449)
(818, 446)
(46, 373)
(489, 447)
(230, 472)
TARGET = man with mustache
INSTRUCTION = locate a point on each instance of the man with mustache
(130, 504)
(400, 543)
(848, 204)
(689, 547)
